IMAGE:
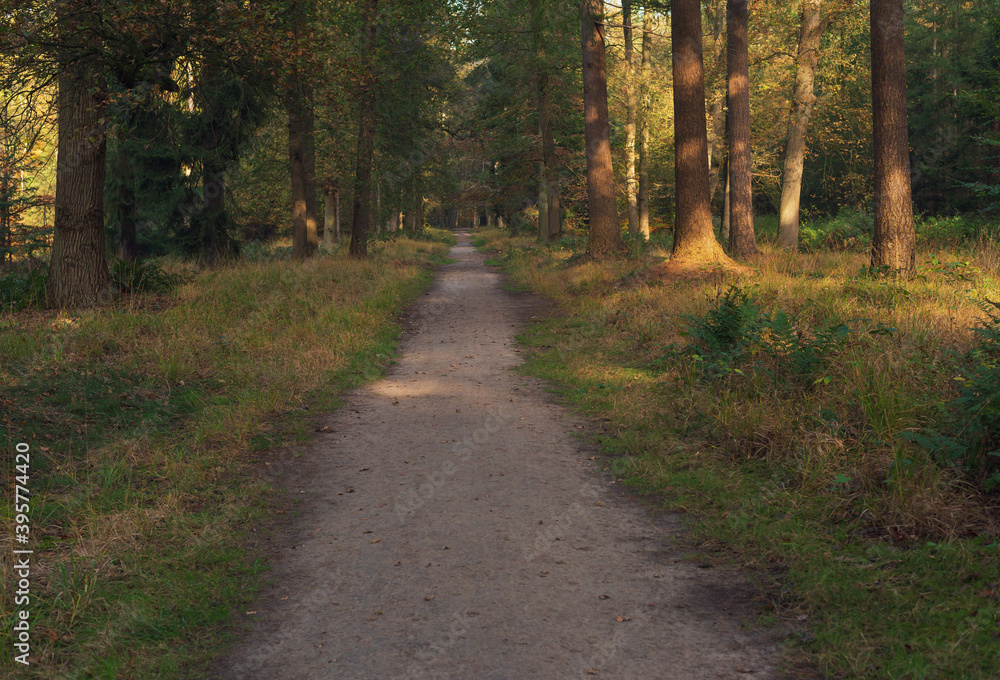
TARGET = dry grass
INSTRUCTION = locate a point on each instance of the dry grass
(142, 417)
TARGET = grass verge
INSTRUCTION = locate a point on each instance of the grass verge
(793, 451)
(143, 420)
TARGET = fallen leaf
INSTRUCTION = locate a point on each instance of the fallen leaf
(377, 540)
(429, 598)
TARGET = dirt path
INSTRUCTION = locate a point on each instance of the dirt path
(453, 527)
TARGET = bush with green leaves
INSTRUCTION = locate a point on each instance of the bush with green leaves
(851, 229)
(736, 335)
(20, 289)
(142, 276)
(969, 435)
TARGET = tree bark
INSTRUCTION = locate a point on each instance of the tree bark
(605, 232)
(804, 100)
(212, 221)
(330, 199)
(647, 68)
(631, 104)
(78, 273)
(894, 243)
(716, 140)
(361, 218)
(741, 233)
(694, 236)
(301, 156)
(549, 225)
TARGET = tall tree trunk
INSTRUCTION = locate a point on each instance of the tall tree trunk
(549, 225)
(716, 142)
(128, 249)
(302, 158)
(329, 215)
(361, 218)
(726, 213)
(212, 221)
(631, 104)
(741, 234)
(78, 273)
(804, 100)
(694, 236)
(647, 68)
(605, 232)
(894, 243)
(716, 52)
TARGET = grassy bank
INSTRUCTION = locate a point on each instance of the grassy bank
(143, 421)
(809, 420)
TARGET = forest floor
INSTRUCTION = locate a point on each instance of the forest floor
(452, 521)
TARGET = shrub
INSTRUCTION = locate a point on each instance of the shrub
(22, 289)
(142, 276)
(735, 334)
(969, 436)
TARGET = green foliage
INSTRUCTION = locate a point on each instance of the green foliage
(735, 335)
(851, 229)
(969, 436)
(142, 276)
(22, 289)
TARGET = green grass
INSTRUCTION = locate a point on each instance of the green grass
(888, 561)
(147, 421)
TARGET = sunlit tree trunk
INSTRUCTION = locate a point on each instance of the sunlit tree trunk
(694, 237)
(804, 99)
(631, 104)
(894, 241)
(78, 274)
(741, 234)
(605, 233)
(361, 216)
(647, 68)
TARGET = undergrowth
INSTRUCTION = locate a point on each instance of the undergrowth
(145, 419)
(799, 416)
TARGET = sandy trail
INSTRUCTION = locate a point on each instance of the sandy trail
(453, 527)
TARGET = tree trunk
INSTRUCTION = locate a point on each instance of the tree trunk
(78, 273)
(302, 158)
(631, 104)
(716, 141)
(329, 217)
(694, 236)
(894, 242)
(605, 232)
(726, 214)
(361, 218)
(647, 68)
(128, 249)
(804, 100)
(549, 224)
(212, 222)
(741, 234)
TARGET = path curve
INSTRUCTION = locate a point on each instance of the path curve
(452, 526)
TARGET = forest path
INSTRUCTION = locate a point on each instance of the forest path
(452, 526)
